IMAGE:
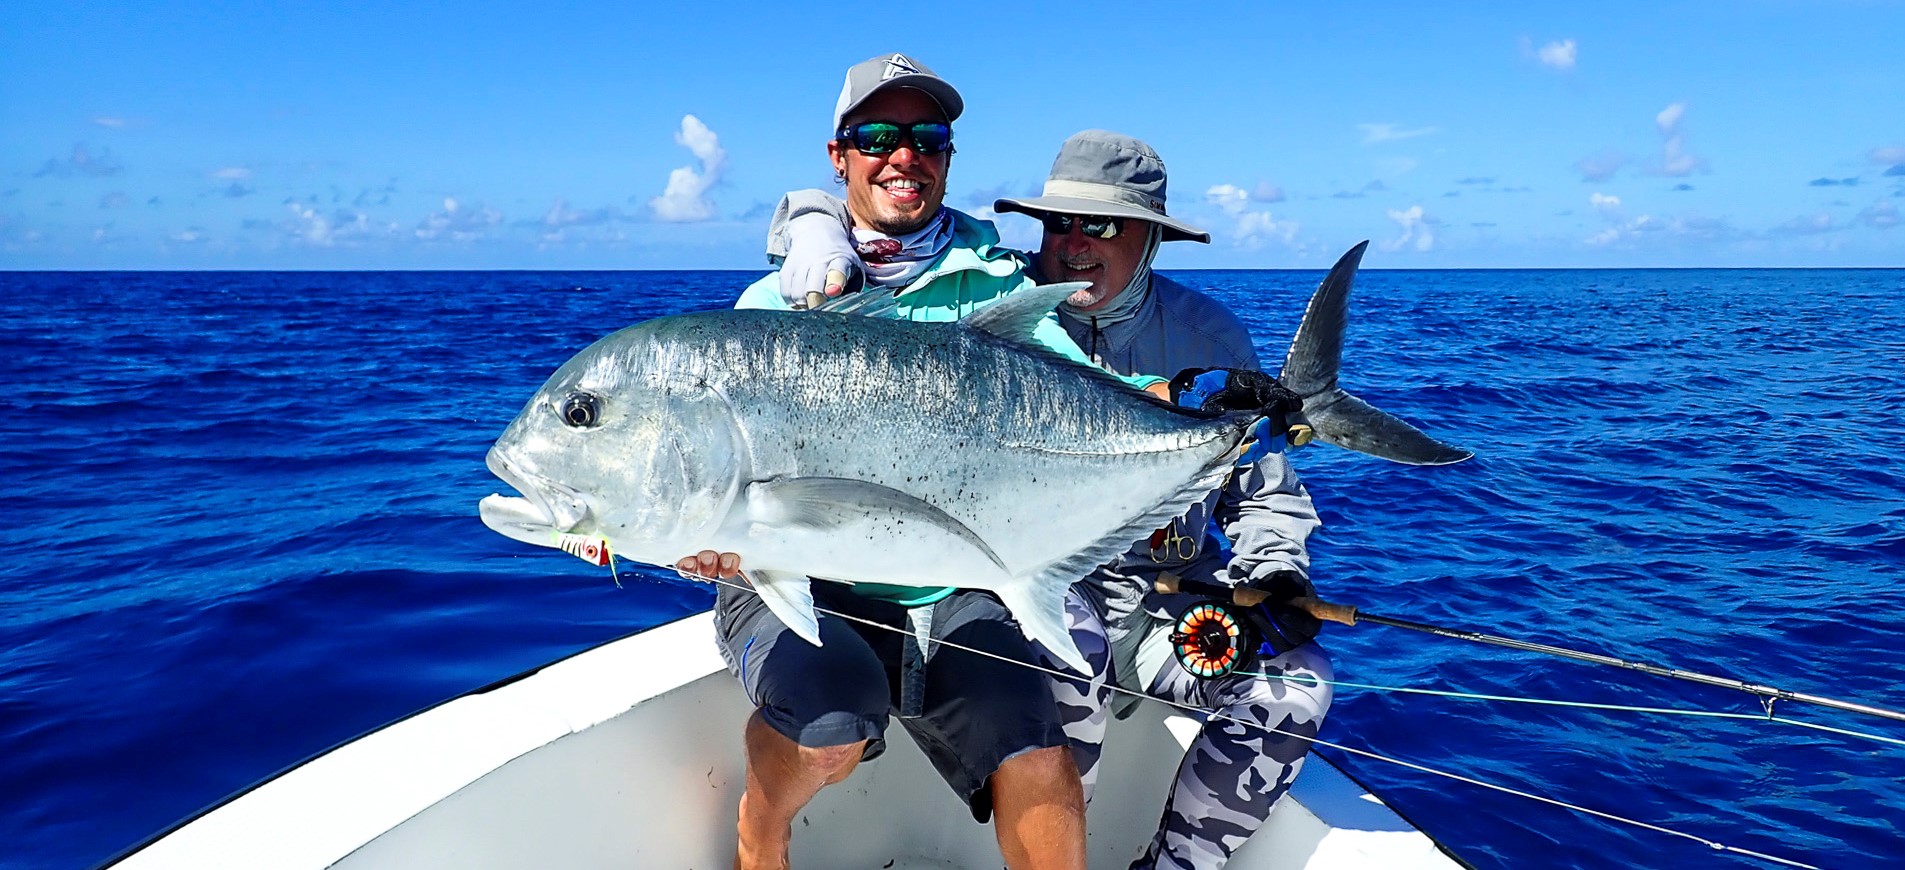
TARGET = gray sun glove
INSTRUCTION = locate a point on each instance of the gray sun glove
(817, 246)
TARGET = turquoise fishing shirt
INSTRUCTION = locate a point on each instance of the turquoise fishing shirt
(973, 272)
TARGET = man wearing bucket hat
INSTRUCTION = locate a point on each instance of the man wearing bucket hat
(1103, 211)
(989, 725)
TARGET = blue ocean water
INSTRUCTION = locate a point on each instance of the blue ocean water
(241, 529)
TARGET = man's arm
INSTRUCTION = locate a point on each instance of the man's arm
(1268, 516)
(811, 239)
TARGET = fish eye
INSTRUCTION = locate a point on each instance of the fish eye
(579, 410)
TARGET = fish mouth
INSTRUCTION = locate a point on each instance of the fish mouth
(545, 511)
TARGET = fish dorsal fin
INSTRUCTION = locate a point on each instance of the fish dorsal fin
(1016, 315)
(1316, 354)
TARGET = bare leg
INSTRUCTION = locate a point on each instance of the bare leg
(782, 776)
(1038, 808)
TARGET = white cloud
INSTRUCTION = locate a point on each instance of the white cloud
(1233, 199)
(1417, 229)
(1374, 133)
(1257, 227)
(307, 225)
(1669, 118)
(1559, 55)
(1644, 227)
(1604, 203)
(1674, 159)
(232, 173)
(1229, 197)
(685, 199)
(458, 222)
(189, 236)
(1254, 228)
(1892, 155)
(110, 122)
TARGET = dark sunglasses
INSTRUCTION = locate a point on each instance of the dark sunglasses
(1092, 225)
(884, 137)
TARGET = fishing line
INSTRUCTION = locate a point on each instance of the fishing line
(1620, 708)
(1207, 714)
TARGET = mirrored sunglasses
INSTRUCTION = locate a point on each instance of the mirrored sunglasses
(884, 137)
(1091, 225)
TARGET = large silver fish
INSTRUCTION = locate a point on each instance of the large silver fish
(857, 448)
(867, 449)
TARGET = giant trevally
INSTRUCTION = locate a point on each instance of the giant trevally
(862, 449)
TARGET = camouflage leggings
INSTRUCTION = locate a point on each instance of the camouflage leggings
(1233, 773)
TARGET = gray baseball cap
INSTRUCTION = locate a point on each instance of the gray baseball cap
(1099, 172)
(870, 76)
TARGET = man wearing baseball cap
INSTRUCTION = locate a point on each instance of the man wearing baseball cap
(986, 720)
(1104, 216)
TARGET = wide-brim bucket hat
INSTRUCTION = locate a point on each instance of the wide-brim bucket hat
(1099, 172)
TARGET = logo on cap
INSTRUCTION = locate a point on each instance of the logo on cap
(899, 65)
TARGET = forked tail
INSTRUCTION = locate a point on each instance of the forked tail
(1311, 369)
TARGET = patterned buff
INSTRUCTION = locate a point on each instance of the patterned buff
(895, 261)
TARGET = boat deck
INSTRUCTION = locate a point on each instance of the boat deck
(628, 755)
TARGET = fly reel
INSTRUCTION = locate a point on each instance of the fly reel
(1214, 638)
(1211, 641)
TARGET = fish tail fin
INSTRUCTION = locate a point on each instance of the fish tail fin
(1039, 606)
(1311, 369)
(790, 597)
(1346, 421)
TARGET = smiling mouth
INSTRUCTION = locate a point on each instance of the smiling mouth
(903, 189)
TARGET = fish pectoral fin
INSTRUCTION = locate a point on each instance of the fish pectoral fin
(1038, 604)
(828, 503)
(790, 597)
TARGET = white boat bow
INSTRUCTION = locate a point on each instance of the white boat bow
(629, 755)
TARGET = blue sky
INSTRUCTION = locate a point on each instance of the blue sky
(179, 135)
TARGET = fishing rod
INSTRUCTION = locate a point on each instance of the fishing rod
(1349, 614)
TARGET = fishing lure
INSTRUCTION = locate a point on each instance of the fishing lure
(592, 550)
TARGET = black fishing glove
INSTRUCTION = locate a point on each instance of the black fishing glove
(1281, 625)
(1243, 390)
(1233, 390)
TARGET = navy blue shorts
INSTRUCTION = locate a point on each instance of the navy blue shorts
(978, 711)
